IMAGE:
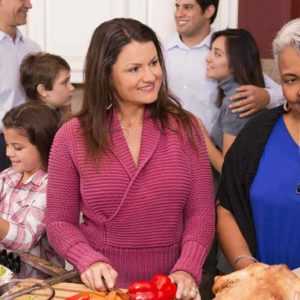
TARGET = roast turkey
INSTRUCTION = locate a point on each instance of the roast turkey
(258, 282)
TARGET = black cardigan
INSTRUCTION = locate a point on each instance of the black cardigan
(239, 170)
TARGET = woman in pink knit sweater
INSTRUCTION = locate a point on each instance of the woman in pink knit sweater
(135, 164)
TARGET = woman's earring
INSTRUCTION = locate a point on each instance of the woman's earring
(108, 107)
(286, 106)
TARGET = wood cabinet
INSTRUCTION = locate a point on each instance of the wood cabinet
(263, 18)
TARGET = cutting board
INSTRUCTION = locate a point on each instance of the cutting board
(62, 291)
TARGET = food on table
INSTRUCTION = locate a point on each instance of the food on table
(260, 282)
(5, 274)
(113, 295)
(159, 287)
(10, 260)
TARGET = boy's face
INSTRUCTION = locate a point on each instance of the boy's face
(61, 92)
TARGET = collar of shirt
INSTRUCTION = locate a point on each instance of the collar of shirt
(176, 42)
(228, 85)
(19, 36)
(14, 177)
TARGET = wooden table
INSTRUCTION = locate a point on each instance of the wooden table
(62, 291)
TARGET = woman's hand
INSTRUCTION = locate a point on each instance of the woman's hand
(187, 288)
(95, 275)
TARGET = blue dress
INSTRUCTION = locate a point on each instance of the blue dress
(275, 200)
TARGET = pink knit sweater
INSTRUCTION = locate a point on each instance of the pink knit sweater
(157, 217)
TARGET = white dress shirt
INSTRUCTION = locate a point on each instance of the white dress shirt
(186, 73)
(12, 53)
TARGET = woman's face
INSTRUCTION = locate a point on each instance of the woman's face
(289, 67)
(217, 60)
(137, 74)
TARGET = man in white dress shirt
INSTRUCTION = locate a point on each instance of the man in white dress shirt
(13, 47)
(185, 54)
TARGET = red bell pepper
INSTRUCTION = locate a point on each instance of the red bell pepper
(161, 281)
(166, 289)
(142, 290)
(168, 293)
(81, 296)
(159, 288)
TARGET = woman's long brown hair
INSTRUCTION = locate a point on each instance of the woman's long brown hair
(106, 44)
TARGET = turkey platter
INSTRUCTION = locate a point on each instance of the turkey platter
(260, 282)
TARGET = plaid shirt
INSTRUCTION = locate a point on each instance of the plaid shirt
(23, 206)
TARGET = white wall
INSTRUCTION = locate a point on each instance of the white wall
(64, 27)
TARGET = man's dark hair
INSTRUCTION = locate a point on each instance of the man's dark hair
(204, 4)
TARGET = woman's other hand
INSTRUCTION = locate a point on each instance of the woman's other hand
(99, 276)
(187, 287)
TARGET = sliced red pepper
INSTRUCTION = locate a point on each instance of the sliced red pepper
(81, 296)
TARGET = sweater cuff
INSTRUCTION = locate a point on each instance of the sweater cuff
(82, 256)
(191, 259)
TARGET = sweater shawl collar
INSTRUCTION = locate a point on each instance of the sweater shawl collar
(151, 134)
